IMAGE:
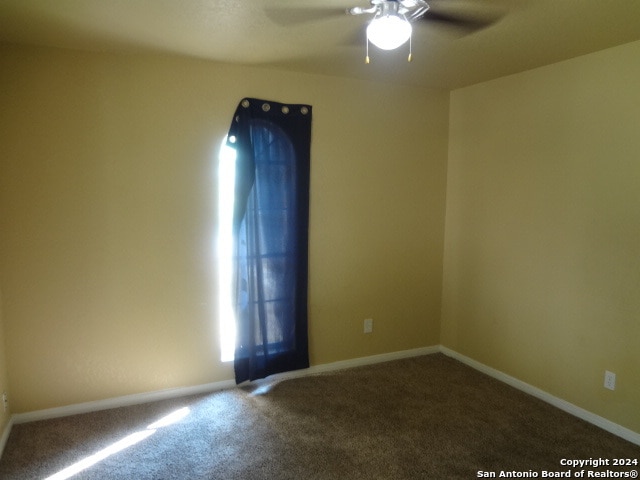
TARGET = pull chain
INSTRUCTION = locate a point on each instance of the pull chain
(366, 59)
(410, 41)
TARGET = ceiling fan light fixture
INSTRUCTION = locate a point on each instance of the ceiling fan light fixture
(388, 32)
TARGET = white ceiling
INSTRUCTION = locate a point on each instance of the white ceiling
(530, 33)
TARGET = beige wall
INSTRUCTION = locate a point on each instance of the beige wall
(107, 221)
(107, 188)
(542, 244)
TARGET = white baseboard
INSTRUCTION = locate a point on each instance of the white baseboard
(5, 435)
(116, 402)
(140, 398)
(574, 410)
(359, 362)
(128, 400)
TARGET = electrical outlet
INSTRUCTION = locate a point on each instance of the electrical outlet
(609, 380)
(368, 325)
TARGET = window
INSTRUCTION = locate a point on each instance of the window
(267, 247)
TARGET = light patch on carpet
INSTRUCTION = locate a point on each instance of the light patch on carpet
(262, 389)
(170, 419)
(120, 445)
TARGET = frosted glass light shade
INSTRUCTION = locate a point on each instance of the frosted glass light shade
(388, 32)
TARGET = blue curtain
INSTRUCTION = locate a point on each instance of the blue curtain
(271, 222)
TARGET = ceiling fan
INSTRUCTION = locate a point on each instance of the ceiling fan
(391, 25)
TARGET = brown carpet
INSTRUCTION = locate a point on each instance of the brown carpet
(427, 417)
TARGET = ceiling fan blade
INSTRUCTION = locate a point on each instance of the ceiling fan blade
(300, 15)
(467, 23)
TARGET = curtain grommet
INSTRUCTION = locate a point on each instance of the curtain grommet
(245, 103)
(304, 110)
(266, 107)
(285, 109)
